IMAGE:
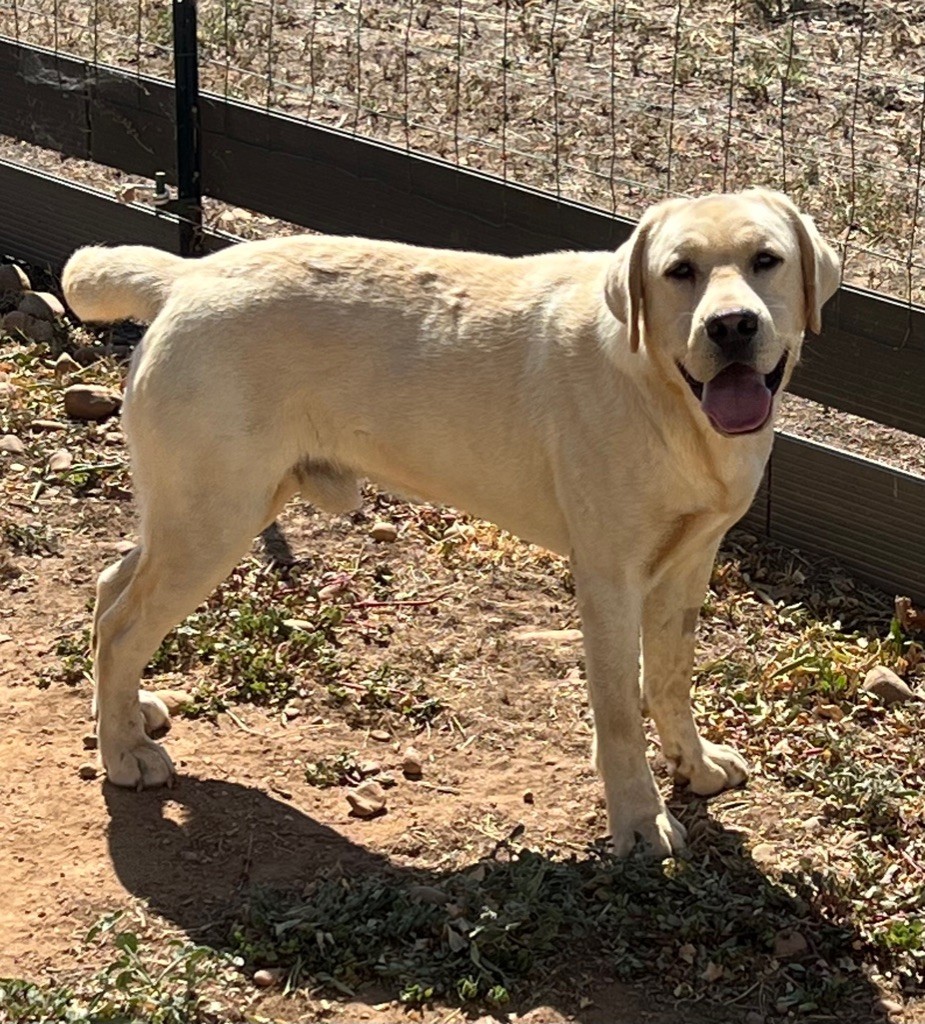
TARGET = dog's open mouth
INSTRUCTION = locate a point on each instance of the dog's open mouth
(738, 399)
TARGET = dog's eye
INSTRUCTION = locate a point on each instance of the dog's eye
(766, 260)
(682, 271)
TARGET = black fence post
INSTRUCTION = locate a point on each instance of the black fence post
(189, 157)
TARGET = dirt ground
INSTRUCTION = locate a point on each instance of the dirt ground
(483, 678)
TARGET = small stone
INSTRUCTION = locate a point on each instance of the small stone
(383, 531)
(41, 305)
(47, 425)
(387, 780)
(65, 365)
(884, 683)
(529, 798)
(292, 711)
(90, 401)
(17, 322)
(888, 1006)
(88, 771)
(60, 461)
(11, 444)
(41, 330)
(367, 800)
(380, 736)
(174, 700)
(90, 741)
(13, 279)
(788, 943)
(764, 855)
(267, 977)
(428, 894)
(369, 768)
(412, 763)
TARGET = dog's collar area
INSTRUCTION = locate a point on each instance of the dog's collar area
(772, 380)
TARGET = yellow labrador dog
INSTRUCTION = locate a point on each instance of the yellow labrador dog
(616, 408)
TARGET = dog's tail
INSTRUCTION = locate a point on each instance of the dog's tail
(127, 282)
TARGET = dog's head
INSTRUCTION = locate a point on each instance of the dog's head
(722, 289)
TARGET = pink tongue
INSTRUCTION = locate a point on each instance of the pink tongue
(736, 400)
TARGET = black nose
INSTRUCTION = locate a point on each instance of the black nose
(733, 330)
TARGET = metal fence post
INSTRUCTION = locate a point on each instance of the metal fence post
(189, 156)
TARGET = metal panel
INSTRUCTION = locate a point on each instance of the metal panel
(45, 219)
(870, 517)
(870, 359)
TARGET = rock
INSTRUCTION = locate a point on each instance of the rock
(267, 977)
(529, 798)
(888, 1006)
(7, 391)
(47, 425)
(548, 636)
(884, 683)
(88, 771)
(17, 322)
(428, 894)
(764, 855)
(60, 461)
(65, 365)
(366, 768)
(789, 943)
(380, 736)
(90, 401)
(90, 741)
(173, 700)
(412, 763)
(11, 444)
(367, 800)
(41, 305)
(383, 531)
(13, 279)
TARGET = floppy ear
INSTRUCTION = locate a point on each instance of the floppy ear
(821, 266)
(623, 288)
(821, 270)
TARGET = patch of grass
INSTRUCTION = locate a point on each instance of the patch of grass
(339, 770)
(263, 638)
(386, 691)
(30, 538)
(497, 932)
(166, 985)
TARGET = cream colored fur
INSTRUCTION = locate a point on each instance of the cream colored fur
(541, 393)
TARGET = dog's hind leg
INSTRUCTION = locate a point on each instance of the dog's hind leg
(112, 581)
(191, 538)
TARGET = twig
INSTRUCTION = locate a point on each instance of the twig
(241, 725)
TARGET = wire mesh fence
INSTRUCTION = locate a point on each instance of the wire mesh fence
(613, 104)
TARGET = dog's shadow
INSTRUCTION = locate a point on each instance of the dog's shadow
(204, 854)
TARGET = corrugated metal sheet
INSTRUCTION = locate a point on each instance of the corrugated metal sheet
(869, 516)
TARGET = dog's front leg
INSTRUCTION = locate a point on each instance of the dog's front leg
(611, 611)
(669, 623)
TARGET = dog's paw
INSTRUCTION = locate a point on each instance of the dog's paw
(155, 713)
(658, 836)
(712, 769)
(142, 765)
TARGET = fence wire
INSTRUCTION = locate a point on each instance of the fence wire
(613, 104)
